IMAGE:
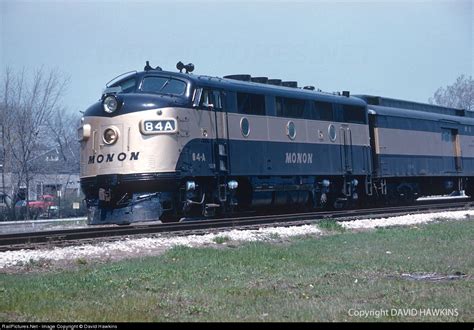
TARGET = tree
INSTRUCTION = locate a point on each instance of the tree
(62, 129)
(28, 103)
(458, 95)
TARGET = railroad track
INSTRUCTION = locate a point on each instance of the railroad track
(34, 240)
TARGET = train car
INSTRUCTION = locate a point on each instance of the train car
(167, 145)
(419, 149)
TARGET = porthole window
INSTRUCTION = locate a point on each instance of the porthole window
(291, 130)
(332, 132)
(245, 127)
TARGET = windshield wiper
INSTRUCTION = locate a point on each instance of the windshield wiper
(165, 84)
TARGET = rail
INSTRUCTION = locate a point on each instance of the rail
(33, 240)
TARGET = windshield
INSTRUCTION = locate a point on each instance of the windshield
(163, 85)
(124, 86)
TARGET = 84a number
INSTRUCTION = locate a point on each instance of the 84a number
(198, 156)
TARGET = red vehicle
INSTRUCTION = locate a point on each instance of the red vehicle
(42, 207)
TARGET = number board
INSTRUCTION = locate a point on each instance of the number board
(158, 126)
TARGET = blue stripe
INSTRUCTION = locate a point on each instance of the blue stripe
(274, 158)
(403, 165)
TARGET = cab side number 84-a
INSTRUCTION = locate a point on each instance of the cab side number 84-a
(159, 126)
(199, 157)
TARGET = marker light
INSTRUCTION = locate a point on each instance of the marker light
(84, 132)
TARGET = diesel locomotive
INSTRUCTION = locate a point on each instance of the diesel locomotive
(162, 145)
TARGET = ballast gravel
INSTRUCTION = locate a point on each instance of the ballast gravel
(64, 257)
(408, 219)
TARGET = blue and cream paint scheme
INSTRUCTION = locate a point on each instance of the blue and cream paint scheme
(169, 139)
(411, 143)
(155, 141)
(137, 160)
(267, 150)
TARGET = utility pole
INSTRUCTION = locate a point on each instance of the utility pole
(58, 192)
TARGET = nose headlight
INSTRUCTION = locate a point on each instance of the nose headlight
(110, 104)
(111, 135)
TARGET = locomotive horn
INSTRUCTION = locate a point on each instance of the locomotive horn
(147, 66)
(180, 66)
(189, 67)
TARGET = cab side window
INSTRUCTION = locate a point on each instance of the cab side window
(205, 99)
(211, 98)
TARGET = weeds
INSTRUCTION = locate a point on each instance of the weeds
(81, 261)
(274, 236)
(331, 225)
(221, 239)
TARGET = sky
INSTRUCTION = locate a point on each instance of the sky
(403, 49)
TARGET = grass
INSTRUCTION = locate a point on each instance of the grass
(307, 280)
(330, 225)
(221, 239)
